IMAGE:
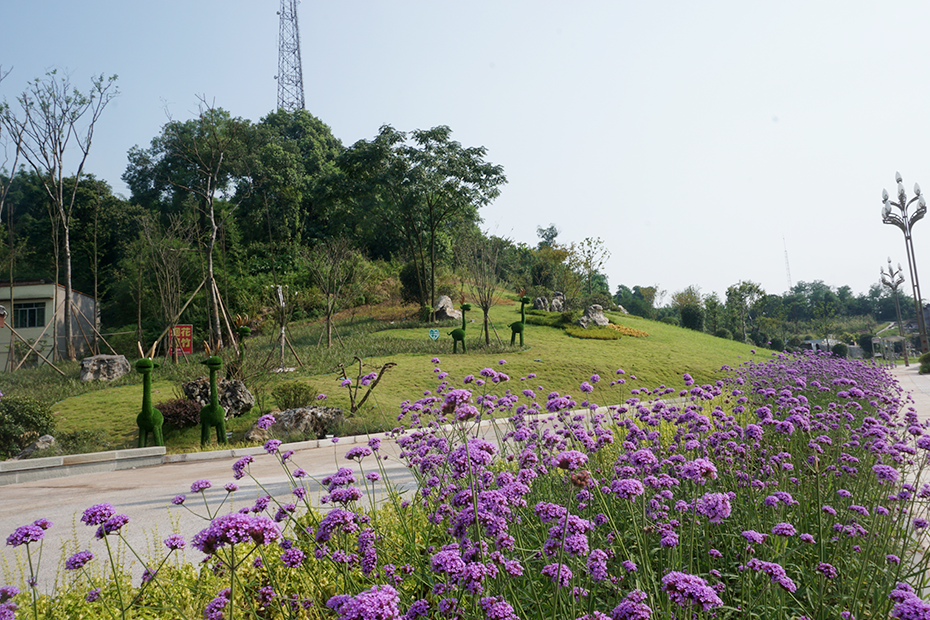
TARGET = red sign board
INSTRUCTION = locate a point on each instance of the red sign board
(182, 337)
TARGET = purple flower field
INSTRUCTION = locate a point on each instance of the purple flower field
(790, 488)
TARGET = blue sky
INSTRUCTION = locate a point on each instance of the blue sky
(699, 140)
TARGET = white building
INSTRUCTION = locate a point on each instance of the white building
(36, 311)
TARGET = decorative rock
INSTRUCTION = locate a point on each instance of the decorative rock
(104, 367)
(445, 310)
(558, 302)
(622, 310)
(234, 397)
(541, 303)
(42, 443)
(294, 424)
(593, 315)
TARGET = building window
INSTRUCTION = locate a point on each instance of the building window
(29, 314)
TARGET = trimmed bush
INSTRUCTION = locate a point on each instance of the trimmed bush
(180, 412)
(22, 421)
(723, 333)
(293, 395)
(840, 350)
(777, 344)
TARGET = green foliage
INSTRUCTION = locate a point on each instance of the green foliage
(180, 412)
(865, 341)
(293, 395)
(81, 442)
(22, 421)
(776, 344)
(724, 333)
(670, 320)
(840, 350)
(692, 317)
(592, 333)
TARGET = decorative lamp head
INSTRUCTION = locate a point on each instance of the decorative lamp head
(897, 177)
(917, 188)
(884, 195)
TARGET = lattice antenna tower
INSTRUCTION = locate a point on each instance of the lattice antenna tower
(290, 76)
(787, 266)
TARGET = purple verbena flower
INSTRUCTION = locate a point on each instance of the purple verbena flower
(78, 560)
(200, 485)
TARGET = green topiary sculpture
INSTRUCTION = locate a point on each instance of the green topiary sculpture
(150, 419)
(212, 414)
(518, 326)
(458, 335)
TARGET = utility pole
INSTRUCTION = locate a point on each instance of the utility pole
(290, 75)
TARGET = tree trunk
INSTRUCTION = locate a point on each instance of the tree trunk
(215, 328)
(69, 295)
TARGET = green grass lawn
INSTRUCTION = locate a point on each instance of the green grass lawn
(559, 361)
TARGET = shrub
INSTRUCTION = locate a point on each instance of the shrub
(180, 412)
(840, 350)
(592, 333)
(293, 396)
(865, 341)
(723, 333)
(777, 344)
(82, 442)
(22, 421)
(670, 320)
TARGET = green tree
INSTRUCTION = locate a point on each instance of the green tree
(205, 163)
(55, 128)
(592, 255)
(423, 184)
(741, 298)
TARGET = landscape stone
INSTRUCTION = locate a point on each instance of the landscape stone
(104, 367)
(558, 302)
(445, 310)
(541, 303)
(593, 315)
(299, 423)
(234, 397)
(42, 443)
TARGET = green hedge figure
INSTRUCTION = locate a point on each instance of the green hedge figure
(518, 326)
(212, 414)
(150, 419)
(458, 335)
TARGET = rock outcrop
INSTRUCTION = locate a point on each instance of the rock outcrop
(298, 424)
(593, 315)
(104, 367)
(234, 397)
(445, 310)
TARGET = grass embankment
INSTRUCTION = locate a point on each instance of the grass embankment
(557, 358)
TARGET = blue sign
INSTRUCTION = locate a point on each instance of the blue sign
(434, 334)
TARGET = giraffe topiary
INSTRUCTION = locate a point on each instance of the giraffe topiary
(150, 419)
(212, 414)
(518, 326)
(458, 335)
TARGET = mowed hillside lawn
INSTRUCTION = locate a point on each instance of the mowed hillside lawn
(559, 361)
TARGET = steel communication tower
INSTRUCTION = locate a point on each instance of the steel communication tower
(290, 76)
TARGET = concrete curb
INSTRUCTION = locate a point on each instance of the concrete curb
(30, 470)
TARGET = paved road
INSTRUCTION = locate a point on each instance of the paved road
(145, 495)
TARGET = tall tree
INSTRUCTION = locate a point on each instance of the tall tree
(593, 254)
(419, 182)
(481, 256)
(336, 267)
(205, 162)
(55, 124)
(741, 297)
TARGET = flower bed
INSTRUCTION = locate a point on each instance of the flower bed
(788, 489)
(628, 331)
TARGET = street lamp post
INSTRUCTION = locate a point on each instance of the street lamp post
(906, 222)
(893, 279)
